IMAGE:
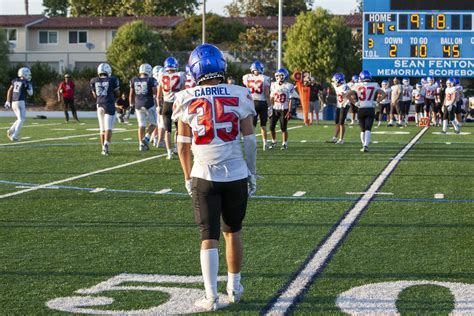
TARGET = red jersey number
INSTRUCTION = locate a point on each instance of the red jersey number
(255, 86)
(363, 93)
(206, 120)
(171, 83)
(280, 98)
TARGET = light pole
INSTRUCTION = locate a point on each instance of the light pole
(203, 21)
(280, 30)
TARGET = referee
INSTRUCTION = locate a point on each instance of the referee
(66, 90)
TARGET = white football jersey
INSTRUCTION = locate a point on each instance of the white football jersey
(214, 114)
(190, 82)
(341, 92)
(407, 93)
(388, 96)
(257, 85)
(451, 96)
(366, 92)
(281, 94)
(419, 96)
(171, 83)
(431, 91)
(460, 91)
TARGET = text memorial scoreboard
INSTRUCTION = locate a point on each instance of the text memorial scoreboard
(416, 38)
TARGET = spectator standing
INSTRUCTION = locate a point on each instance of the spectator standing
(315, 94)
(122, 107)
(66, 91)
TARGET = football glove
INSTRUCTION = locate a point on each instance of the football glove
(7, 105)
(189, 186)
(252, 184)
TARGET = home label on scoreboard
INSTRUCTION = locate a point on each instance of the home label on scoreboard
(417, 38)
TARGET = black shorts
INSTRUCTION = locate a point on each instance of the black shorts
(405, 107)
(219, 201)
(261, 107)
(366, 118)
(354, 108)
(167, 111)
(385, 107)
(458, 108)
(429, 104)
(436, 108)
(69, 103)
(279, 115)
(341, 114)
(449, 115)
(419, 107)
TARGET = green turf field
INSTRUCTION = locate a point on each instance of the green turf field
(98, 239)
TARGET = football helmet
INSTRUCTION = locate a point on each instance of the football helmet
(171, 64)
(406, 81)
(281, 75)
(104, 69)
(145, 69)
(365, 75)
(423, 80)
(24, 72)
(207, 62)
(430, 79)
(257, 66)
(338, 78)
(457, 81)
(419, 85)
(450, 82)
(355, 78)
(157, 70)
(385, 84)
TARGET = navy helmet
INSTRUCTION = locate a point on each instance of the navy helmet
(365, 75)
(257, 66)
(207, 62)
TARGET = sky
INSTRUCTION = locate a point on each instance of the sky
(216, 6)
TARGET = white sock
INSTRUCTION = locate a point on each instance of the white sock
(106, 143)
(445, 125)
(233, 281)
(284, 143)
(416, 118)
(169, 151)
(455, 125)
(210, 268)
(367, 138)
(362, 138)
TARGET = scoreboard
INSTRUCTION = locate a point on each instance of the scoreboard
(417, 38)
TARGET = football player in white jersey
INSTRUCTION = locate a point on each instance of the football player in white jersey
(212, 117)
(342, 91)
(170, 82)
(419, 100)
(384, 105)
(449, 106)
(259, 86)
(405, 102)
(282, 94)
(159, 132)
(354, 107)
(368, 93)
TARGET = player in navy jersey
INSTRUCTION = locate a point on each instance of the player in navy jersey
(211, 118)
(142, 94)
(20, 87)
(105, 88)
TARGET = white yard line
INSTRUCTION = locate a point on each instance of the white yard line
(164, 191)
(378, 193)
(36, 125)
(46, 185)
(299, 193)
(317, 261)
(59, 138)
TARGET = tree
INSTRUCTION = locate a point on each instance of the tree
(132, 7)
(55, 7)
(187, 33)
(257, 43)
(322, 44)
(4, 63)
(267, 7)
(135, 44)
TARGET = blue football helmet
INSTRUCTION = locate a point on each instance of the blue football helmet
(282, 72)
(423, 80)
(257, 66)
(457, 81)
(207, 62)
(365, 75)
(406, 81)
(430, 79)
(338, 78)
(171, 64)
(450, 82)
(385, 84)
(355, 78)
(419, 85)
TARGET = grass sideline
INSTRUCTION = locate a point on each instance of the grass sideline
(59, 240)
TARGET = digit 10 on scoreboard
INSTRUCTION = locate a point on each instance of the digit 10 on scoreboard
(416, 38)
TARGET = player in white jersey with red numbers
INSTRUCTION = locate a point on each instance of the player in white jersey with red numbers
(419, 100)
(259, 86)
(212, 117)
(368, 93)
(384, 105)
(430, 109)
(170, 82)
(159, 132)
(281, 95)
(190, 82)
(449, 106)
(405, 101)
(343, 103)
